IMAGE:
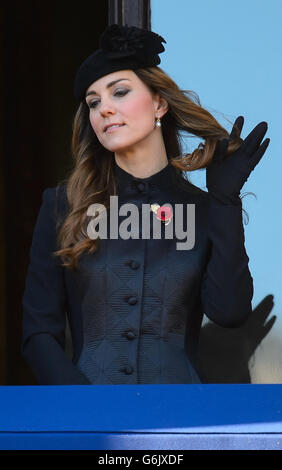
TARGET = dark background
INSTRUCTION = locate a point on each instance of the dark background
(42, 45)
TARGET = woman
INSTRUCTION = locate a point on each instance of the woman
(135, 296)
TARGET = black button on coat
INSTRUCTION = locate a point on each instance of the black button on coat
(135, 306)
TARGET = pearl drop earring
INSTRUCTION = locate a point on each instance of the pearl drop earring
(158, 122)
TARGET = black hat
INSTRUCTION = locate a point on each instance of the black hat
(121, 47)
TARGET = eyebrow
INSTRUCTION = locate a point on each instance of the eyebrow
(93, 92)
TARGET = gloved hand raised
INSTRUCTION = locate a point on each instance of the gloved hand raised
(226, 175)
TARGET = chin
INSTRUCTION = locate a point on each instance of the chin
(119, 147)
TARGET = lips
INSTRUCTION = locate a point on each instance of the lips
(112, 125)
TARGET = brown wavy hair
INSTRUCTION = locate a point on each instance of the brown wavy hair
(91, 179)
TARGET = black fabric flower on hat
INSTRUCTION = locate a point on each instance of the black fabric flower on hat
(121, 47)
(125, 41)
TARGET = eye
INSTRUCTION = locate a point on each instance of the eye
(121, 92)
(92, 104)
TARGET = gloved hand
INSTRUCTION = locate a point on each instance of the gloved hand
(226, 175)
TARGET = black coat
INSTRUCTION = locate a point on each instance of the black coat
(135, 306)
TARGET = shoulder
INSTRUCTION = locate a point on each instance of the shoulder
(54, 200)
(55, 194)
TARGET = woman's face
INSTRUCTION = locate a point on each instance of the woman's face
(122, 98)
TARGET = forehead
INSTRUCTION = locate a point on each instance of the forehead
(102, 82)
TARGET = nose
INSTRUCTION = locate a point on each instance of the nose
(106, 108)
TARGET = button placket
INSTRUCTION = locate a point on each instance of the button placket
(132, 300)
(141, 186)
(126, 369)
(133, 264)
(129, 334)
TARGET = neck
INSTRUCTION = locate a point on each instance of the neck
(143, 161)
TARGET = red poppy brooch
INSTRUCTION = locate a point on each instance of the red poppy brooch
(163, 213)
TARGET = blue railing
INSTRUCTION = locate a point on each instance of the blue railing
(141, 417)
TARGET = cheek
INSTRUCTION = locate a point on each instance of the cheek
(139, 109)
(94, 122)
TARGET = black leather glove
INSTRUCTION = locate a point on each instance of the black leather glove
(226, 175)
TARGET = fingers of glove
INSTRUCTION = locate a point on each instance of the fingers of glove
(255, 158)
(253, 140)
(221, 150)
(237, 128)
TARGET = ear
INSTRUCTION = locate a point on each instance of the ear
(161, 105)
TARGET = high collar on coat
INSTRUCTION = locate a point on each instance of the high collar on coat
(127, 183)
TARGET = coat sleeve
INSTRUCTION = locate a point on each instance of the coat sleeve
(227, 287)
(44, 305)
